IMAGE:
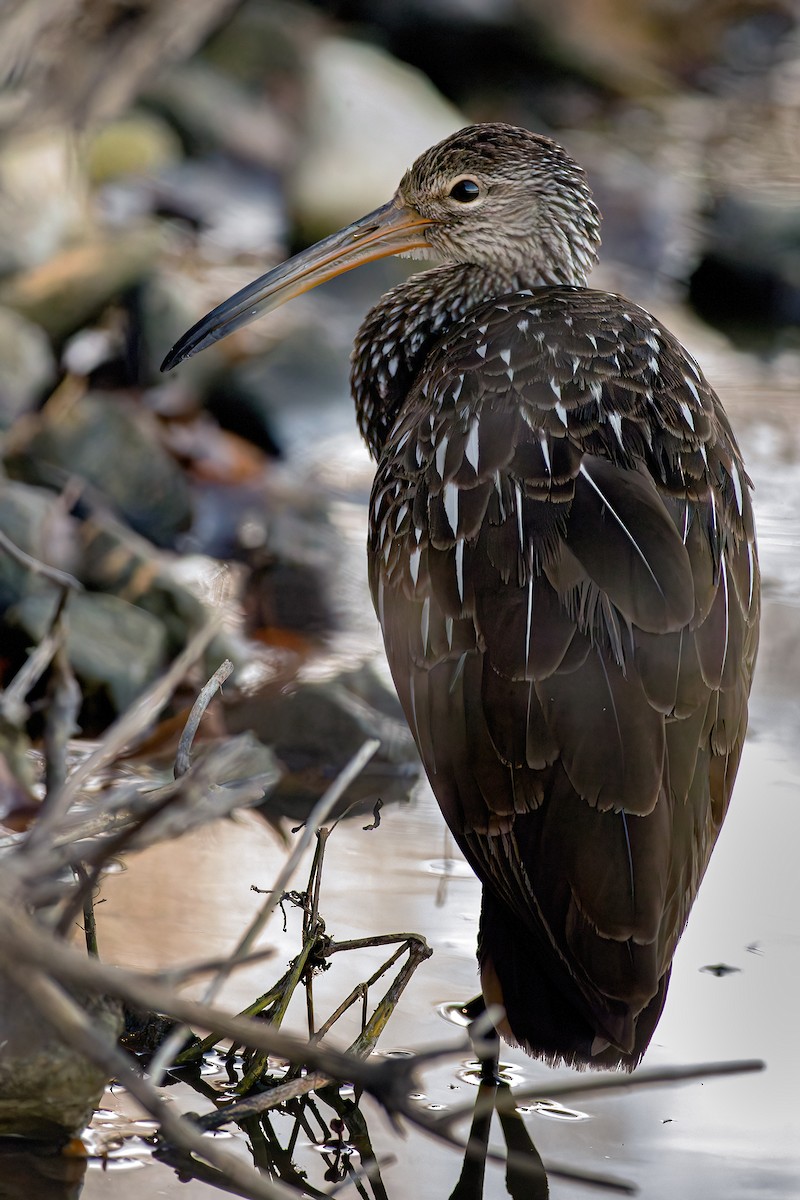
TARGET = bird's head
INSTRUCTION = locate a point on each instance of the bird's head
(505, 198)
(493, 195)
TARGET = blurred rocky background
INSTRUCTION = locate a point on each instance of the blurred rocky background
(158, 154)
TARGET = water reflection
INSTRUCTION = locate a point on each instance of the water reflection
(29, 1171)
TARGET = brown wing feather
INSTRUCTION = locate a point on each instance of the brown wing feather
(562, 561)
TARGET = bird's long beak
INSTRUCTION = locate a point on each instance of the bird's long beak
(391, 229)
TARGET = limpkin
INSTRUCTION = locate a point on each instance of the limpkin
(562, 560)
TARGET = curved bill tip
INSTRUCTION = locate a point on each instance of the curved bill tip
(391, 229)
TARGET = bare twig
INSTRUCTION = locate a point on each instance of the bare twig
(130, 723)
(318, 815)
(61, 579)
(12, 700)
(173, 1043)
(66, 1016)
(183, 757)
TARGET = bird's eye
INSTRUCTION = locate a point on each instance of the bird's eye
(464, 191)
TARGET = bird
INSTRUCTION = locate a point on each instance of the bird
(562, 559)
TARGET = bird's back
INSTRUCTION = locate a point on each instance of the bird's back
(562, 561)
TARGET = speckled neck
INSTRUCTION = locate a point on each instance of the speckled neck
(399, 332)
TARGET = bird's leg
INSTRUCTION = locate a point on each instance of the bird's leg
(485, 1042)
(473, 1170)
(525, 1173)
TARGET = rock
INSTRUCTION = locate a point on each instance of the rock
(138, 144)
(47, 1089)
(747, 281)
(40, 1169)
(45, 199)
(33, 521)
(115, 648)
(27, 366)
(64, 293)
(213, 113)
(120, 563)
(235, 210)
(116, 447)
(344, 170)
(316, 728)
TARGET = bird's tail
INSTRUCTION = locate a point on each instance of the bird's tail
(546, 1012)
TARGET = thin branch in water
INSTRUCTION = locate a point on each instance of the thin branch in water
(323, 806)
(59, 1009)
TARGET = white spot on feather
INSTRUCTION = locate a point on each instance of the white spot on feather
(413, 565)
(561, 413)
(506, 356)
(499, 489)
(480, 349)
(450, 496)
(520, 529)
(688, 416)
(425, 623)
(441, 454)
(690, 384)
(752, 570)
(737, 487)
(460, 569)
(545, 452)
(615, 421)
(528, 622)
(471, 449)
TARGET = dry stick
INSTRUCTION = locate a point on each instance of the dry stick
(363, 1045)
(318, 815)
(173, 1043)
(259, 1063)
(123, 730)
(433, 1126)
(24, 942)
(12, 700)
(22, 939)
(183, 758)
(311, 925)
(60, 725)
(96, 855)
(61, 578)
(71, 1022)
(174, 976)
(198, 1049)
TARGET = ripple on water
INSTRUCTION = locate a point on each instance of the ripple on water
(335, 1146)
(471, 1071)
(455, 1012)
